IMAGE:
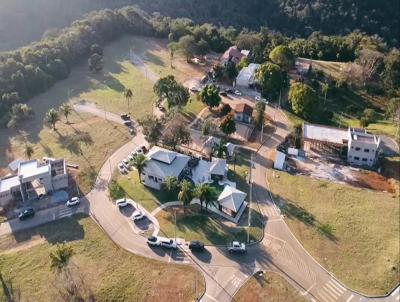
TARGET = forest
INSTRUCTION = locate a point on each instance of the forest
(21, 22)
(32, 69)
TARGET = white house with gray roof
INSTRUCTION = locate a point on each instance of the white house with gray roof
(231, 201)
(162, 163)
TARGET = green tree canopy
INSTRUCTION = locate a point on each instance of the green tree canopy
(271, 78)
(151, 126)
(185, 194)
(303, 100)
(282, 56)
(95, 63)
(51, 118)
(139, 162)
(209, 95)
(169, 89)
(228, 125)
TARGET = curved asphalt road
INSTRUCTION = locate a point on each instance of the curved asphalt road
(224, 273)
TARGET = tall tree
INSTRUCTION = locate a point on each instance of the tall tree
(188, 46)
(95, 63)
(209, 95)
(271, 78)
(51, 118)
(28, 151)
(185, 194)
(171, 185)
(282, 56)
(303, 100)
(66, 110)
(128, 94)
(139, 162)
(151, 126)
(167, 88)
(260, 115)
(176, 134)
(228, 125)
(204, 192)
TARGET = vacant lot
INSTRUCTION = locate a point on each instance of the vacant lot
(269, 287)
(352, 232)
(111, 273)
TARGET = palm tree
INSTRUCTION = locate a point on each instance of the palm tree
(51, 118)
(139, 162)
(203, 192)
(170, 184)
(185, 195)
(210, 197)
(66, 110)
(61, 256)
(29, 151)
(128, 96)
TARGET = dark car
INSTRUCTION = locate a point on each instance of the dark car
(125, 117)
(128, 123)
(223, 93)
(228, 90)
(27, 213)
(196, 246)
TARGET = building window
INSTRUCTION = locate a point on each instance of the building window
(364, 159)
(356, 158)
(366, 150)
(151, 177)
(358, 148)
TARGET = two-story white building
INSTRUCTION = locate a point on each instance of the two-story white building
(33, 179)
(362, 147)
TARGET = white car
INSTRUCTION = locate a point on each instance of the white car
(237, 92)
(138, 215)
(169, 244)
(131, 157)
(126, 162)
(153, 240)
(261, 99)
(121, 202)
(139, 150)
(73, 201)
(122, 169)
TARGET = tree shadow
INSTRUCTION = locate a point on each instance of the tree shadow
(150, 57)
(65, 229)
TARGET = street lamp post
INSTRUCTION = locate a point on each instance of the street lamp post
(250, 198)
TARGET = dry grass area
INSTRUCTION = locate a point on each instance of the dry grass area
(352, 232)
(269, 287)
(111, 273)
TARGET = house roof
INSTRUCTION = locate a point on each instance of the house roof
(247, 74)
(244, 108)
(325, 133)
(231, 148)
(7, 183)
(231, 198)
(233, 54)
(279, 160)
(13, 166)
(161, 164)
(162, 155)
(218, 166)
(32, 168)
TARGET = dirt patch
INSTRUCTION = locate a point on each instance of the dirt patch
(9, 245)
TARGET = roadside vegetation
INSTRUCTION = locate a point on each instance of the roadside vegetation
(352, 232)
(269, 286)
(81, 254)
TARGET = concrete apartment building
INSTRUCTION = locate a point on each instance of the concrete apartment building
(356, 145)
(362, 147)
(32, 179)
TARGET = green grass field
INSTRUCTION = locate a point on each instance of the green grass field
(111, 273)
(268, 287)
(209, 228)
(352, 232)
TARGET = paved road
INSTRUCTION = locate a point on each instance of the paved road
(224, 273)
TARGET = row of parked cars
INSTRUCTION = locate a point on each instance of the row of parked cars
(124, 202)
(125, 165)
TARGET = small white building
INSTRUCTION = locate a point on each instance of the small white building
(246, 77)
(231, 201)
(33, 179)
(279, 162)
(162, 163)
(243, 113)
(362, 147)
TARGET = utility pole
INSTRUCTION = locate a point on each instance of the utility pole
(250, 198)
(175, 223)
(262, 132)
(280, 95)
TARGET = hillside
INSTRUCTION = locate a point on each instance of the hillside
(22, 22)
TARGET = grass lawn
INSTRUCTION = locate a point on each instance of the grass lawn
(111, 273)
(207, 227)
(352, 232)
(148, 198)
(86, 141)
(269, 287)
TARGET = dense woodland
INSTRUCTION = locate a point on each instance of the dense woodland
(24, 21)
(31, 70)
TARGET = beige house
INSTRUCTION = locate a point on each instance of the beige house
(243, 113)
(362, 147)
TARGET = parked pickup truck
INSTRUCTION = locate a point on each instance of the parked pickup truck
(237, 247)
